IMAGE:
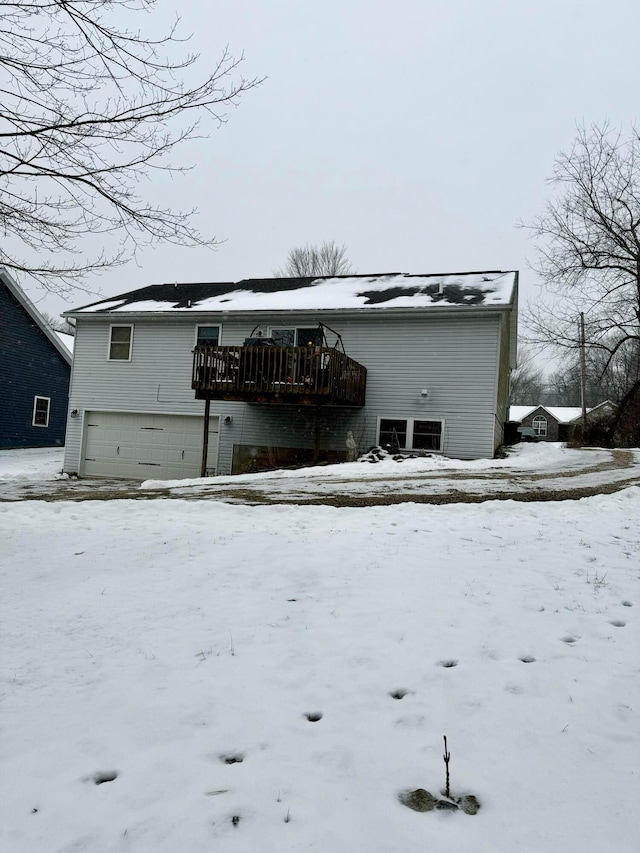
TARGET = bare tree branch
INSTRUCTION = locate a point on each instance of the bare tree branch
(88, 108)
(527, 384)
(588, 248)
(328, 258)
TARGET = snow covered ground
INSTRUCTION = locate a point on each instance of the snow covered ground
(38, 463)
(529, 468)
(177, 647)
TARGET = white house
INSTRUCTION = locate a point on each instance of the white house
(287, 369)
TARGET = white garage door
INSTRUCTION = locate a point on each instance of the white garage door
(123, 444)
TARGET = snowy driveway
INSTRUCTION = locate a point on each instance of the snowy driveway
(531, 472)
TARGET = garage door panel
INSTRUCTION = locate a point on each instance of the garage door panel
(141, 446)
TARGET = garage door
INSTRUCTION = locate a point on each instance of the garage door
(142, 447)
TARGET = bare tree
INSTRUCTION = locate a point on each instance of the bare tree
(90, 107)
(527, 384)
(605, 378)
(326, 259)
(58, 324)
(588, 246)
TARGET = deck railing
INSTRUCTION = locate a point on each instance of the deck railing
(268, 374)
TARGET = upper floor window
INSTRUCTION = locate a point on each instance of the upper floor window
(41, 406)
(540, 425)
(120, 341)
(298, 337)
(207, 335)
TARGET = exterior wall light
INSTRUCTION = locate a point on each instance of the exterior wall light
(75, 413)
(228, 420)
(424, 392)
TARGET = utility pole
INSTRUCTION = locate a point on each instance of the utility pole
(583, 370)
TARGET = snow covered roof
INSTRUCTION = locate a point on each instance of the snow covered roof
(66, 340)
(562, 414)
(390, 290)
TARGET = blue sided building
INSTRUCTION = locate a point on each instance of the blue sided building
(35, 368)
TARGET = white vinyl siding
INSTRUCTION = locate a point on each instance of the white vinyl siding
(454, 357)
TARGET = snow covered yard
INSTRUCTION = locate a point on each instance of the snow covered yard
(34, 463)
(176, 647)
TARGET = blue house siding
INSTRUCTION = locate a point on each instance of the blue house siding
(29, 366)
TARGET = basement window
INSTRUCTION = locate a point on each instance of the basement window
(120, 340)
(427, 435)
(411, 434)
(41, 407)
(393, 431)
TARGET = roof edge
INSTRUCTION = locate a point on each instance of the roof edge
(21, 297)
(343, 312)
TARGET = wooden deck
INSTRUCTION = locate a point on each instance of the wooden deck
(282, 375)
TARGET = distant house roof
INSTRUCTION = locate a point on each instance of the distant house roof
(21, 297)
(562, 414)
(66, 340)
(389, 290)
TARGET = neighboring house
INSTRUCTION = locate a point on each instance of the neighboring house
(35, 367)
(556, 423)
(284, 370)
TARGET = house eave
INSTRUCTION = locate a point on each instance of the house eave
(199, 314)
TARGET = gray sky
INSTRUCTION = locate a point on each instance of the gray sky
(416, 132)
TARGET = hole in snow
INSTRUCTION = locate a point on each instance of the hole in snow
(398, 694)
(105, 776)
(618, 623)
(236, 758)
(314, 716)
(569, 640)
(527, 659)
(627, 604)
(447, 664)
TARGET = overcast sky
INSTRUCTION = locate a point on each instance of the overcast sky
(417, 132)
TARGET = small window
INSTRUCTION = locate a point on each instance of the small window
(120, 343)
(207, 335)
(41, 406)
(411, 434)
(540, 426)
(393, 432)
(427, 435)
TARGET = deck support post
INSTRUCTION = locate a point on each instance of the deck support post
(316, 438)
(205, 437)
